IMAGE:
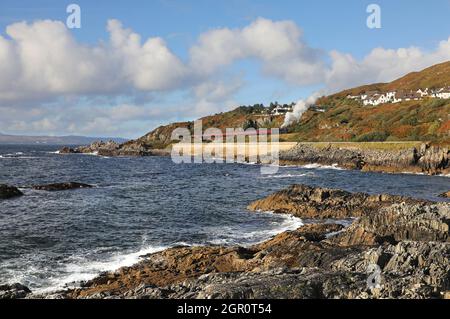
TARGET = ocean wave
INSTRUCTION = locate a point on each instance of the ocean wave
(233, 236)
(17, 157)
(320, 166)
(290, 175)
(83, 270)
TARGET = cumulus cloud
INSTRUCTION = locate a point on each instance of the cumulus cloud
(43, 59)
(278, 45)
(381, 65)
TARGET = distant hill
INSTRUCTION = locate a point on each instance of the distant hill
(54, 140)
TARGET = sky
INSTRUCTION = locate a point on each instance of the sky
(134, 65)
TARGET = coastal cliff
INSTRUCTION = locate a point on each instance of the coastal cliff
(406, 239)
(425, 159)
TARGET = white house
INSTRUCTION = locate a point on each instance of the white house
(422, 93)
(280, 110)
(376, 98)
(443, 93)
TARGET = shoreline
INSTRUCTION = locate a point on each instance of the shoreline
(389, 230)
(383, 157)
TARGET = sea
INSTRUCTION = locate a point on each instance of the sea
(141, 205)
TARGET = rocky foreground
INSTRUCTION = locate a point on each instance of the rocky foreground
(426, 159)
(396, 247)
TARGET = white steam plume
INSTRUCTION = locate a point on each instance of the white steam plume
(299, 108)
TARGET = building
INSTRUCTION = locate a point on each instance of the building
(281, 109)
(376, 98)
(443, 93)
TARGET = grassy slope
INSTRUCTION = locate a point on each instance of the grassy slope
(161, 136)
(345, 120)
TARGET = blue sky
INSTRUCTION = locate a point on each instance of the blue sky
(326, 26)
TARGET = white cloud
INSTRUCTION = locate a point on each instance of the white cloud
(381, 65)
(278, 45)
(149, 66)
(43, 59)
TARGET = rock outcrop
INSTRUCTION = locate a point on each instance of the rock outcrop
(7, 191)
(427, 159)
(60, 186)
(317, 202)
(14, 291)
(111, 148)
(396, 247)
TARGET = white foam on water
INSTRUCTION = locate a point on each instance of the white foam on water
(86, 270)
(17, 157)
(233, 236)
(320, 166)
(289, 175)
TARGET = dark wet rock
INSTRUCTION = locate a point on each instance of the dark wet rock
(14, 291)
(7, 191)
(61, 186)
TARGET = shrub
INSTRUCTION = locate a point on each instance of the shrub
(373, 137)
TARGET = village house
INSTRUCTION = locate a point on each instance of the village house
(443, 93)
(375, 98)
(281, 109)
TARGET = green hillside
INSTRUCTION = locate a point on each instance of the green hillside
(338, 119)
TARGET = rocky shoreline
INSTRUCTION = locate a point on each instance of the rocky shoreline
(427, 159)
(406, 239)
(111, 148)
